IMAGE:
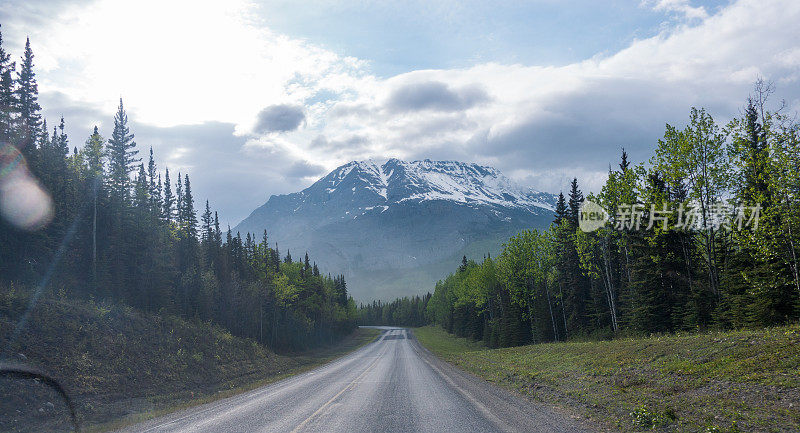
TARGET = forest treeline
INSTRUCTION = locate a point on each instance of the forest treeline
(121, 232)
(722, 251)
(406, 311)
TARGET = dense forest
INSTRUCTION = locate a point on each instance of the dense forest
(117, 231)
(715, 244)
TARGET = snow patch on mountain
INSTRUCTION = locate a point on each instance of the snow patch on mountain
(398, 181)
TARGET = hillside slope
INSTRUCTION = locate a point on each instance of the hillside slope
(119, 364)
(396, 228)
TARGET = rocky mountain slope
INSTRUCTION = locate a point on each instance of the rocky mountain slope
(394, 229)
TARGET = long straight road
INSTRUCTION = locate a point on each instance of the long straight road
(390, 385)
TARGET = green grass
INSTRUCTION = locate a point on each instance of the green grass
(719, 381)
(122, 366)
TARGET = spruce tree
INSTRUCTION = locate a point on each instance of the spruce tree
(54, 165)
(29, 122)
(141, 193)
(179, 201)
(168, 209)
(561, 209)
(44, 148)
(63, 141)
(207, 220)
(154, 184)
(189, 214)
(756, 187)
(121, 157)
(159, 197)
(94, 155)
(217, 232)
(8, 105)
(624, 164)
(575, 201)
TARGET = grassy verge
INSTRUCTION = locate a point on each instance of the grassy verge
(708, 382)
(122, 366)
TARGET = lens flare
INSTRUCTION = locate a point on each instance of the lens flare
(23, 202)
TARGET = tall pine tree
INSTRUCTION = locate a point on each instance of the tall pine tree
(122, 158)
(8, 105)
(29, 122)
(575, 201)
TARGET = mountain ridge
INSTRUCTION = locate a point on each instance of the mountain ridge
(367, 219)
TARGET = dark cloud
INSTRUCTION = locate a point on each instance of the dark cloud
(345, 109)
(581, 134)
(279, 118)
(301, 169)
(435, 95)
(588, 129)
(342, 148)
(79, 118)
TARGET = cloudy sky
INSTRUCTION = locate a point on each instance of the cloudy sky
(260, 98)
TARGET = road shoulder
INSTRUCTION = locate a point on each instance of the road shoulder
(507, 409)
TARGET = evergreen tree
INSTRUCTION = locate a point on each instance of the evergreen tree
(154, 185)
(94, 155)
(8, 104)
(62, 143)
(561, 209)
(44, 150)
(29, 120)
(208, 233)
(168, 209)
(756, 172)
(141, 199)
(179, 202)
(121, 157)
(575, 201)
(189, 215)
(217, 232)
(624, 164)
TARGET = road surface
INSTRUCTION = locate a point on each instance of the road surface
(389, 385)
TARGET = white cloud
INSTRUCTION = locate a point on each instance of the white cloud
(181, 61)
(680, 6)
(187, 62)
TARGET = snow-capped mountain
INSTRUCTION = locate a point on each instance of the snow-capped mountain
(396, 228)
